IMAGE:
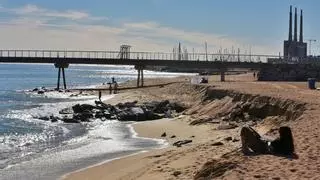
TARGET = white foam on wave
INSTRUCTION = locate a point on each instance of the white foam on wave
(63, 95)
(47, 109)
(48, 129)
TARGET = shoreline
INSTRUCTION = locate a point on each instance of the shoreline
(164, 144)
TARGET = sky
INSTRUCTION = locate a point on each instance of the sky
(154, 25)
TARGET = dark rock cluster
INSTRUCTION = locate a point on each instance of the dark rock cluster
(43, 90)
(129, 111)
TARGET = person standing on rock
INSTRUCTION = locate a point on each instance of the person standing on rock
(100, 95)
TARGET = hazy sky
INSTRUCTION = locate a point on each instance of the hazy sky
(152, 25)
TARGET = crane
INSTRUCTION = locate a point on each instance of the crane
(310, 43)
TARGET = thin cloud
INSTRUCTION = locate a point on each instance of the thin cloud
(33, 27)
(31, 10)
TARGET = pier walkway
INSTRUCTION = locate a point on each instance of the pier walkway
(62, 59)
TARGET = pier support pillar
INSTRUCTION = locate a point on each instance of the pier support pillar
(61, 66)
(140, 80)
(64, 79)
(58, 83)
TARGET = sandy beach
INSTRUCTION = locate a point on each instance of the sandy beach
(214, 150)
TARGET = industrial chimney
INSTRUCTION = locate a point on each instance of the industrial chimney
(290, 24)
(295, 26)
(301, 27)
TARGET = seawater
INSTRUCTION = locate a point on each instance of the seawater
(34, 149)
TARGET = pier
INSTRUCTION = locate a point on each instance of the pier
(62, 59)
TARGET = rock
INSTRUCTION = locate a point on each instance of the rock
(70, 120)
(192, 137)
(217, 144)
(103, 114)
(177, 107)
(133, 114)
(161, 107)
(41, 92)
(44, 118)
(177, 173)
(164, 134)
(102, 105)
(84, 117)
(107, 114)
(54, 119)
(99, 114)
(127, 105)
(174, 136)
(236, 113)
(137, 111)
(120, 105)
(84, 107)
(126, 116)
(180, 143)
(153, 116)
(35, 90)
(66, 111)
(77, 108)
(151, 105)
(228, 139)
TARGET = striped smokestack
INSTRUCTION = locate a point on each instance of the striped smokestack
(295, 26)
(301, 27)
(290, 24)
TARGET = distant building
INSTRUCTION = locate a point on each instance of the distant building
(292, 48)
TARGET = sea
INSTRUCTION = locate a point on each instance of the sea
(32, 149)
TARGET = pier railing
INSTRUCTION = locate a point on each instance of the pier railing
(135, 55)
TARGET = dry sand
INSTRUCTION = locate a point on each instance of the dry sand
(202, 155)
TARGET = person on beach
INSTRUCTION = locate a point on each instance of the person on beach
(110, 88)
(254, 75)
(115, 88)
(100, 95)
(252, 142)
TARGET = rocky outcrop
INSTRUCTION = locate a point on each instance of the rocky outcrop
(129, 111)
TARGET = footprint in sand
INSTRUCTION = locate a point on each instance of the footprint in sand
(293, 170)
